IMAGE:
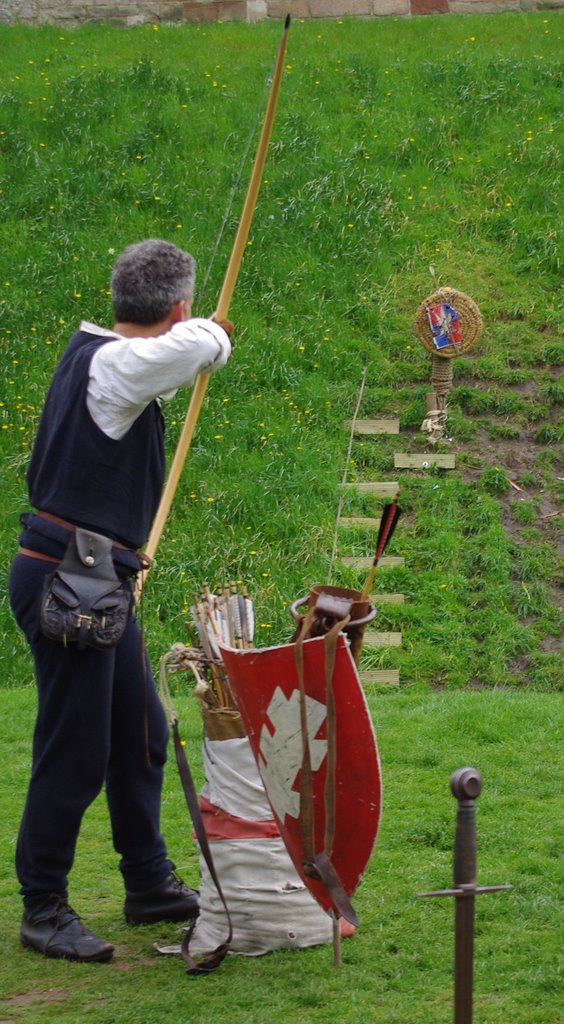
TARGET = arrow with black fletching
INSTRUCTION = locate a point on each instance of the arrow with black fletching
(390, 515)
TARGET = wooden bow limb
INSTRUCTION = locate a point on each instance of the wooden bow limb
(222, 308)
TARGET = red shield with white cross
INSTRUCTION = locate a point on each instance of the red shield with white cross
(266, 687)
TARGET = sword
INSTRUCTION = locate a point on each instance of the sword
(466, 785)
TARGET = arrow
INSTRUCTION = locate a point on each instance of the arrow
(390, 515)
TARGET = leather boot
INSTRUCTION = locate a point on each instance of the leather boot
(171, 900)
(54, 929)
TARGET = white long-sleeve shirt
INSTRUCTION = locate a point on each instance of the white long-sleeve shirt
(128, 373)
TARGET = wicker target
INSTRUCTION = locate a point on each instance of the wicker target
(469, 318)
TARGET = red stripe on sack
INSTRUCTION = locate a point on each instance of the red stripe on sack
(219, 824)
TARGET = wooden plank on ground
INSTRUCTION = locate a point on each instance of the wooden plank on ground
(386, 489)
(377, 599)
(383, 426)
(424, 461)
(373, 639)
(388, 561)
(390, 676)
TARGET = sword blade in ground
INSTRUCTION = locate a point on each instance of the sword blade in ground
(466, 785)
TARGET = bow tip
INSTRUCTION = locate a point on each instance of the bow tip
(287, 22)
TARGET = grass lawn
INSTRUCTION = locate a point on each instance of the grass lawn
(406, 154)
(397, 969)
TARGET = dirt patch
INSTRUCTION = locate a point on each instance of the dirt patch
(519, 454)
(51, 995)
(521, 460)
(551, 644)
(125, 960)
(520, 666)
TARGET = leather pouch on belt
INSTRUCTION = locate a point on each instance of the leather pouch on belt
(84, 602)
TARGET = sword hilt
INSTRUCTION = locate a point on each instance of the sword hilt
(466, 785)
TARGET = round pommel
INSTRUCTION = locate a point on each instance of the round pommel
(466, 783)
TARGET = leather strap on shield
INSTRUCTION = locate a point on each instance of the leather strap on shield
(306, 782)
(330, 645)
(332, 883)
(323, 861)
(213, 959)
(320, 865)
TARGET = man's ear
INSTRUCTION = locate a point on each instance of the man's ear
(177, 312)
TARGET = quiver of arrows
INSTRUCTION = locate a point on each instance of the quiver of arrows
(226, 618)
(326, 606)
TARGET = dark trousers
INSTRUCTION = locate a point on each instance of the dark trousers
(99, 721)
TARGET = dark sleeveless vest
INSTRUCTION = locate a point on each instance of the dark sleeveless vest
(79, 473)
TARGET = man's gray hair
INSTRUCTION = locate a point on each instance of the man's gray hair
(148, 278)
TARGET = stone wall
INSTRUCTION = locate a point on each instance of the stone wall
(138, 12)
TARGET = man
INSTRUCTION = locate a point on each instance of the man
(98, 462)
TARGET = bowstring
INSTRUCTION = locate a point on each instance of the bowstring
(236, 183)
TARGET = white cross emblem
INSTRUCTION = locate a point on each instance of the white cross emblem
(282, 751)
